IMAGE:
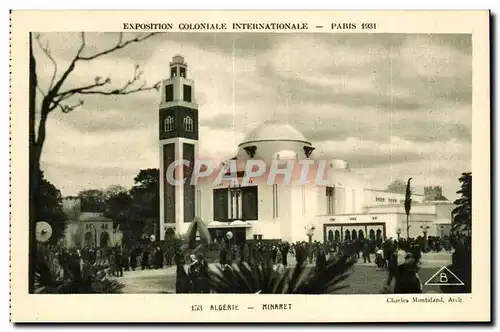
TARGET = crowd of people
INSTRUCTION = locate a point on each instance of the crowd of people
(125, 258)
(278, 253)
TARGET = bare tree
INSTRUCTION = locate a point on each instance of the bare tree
(56, 97)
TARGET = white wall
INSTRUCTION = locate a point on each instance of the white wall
(78, 229)
(371, 195)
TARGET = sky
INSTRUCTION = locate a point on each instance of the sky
(393, 105)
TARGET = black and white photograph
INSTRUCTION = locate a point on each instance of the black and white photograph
(235, 162)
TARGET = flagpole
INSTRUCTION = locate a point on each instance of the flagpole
(407, 209)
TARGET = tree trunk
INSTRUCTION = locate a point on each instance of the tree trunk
(34, 167)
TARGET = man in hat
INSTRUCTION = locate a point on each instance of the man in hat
(407, 279)
(194, 274)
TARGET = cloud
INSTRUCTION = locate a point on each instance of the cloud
(390, 104)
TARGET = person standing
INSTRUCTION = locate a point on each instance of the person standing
(118, 262)
(366, 251)
(223, 256)
(133, 258)
(407, 279)
(274, 253)
(392, 267)
(416, 252)
(145, 259)
(284, 252)
(204, 275)
(125, 259)
(194, 274)
(320, 259)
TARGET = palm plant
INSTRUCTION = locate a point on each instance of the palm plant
(262, 278)
(65, 272)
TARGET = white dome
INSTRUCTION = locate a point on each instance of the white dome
(273, 131)
(285, 155)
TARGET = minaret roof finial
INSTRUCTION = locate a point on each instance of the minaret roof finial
(178, 60)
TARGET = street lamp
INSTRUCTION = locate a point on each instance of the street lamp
(229, 236)
(310, 232)
(425, 229)
(43, 232)
(398, 232)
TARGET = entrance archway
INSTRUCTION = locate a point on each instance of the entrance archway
(361, 234)
(330, 236)
(379, 234)
(104, 239)
(347, 235)
(372, 234)
(169, 234)
(337, 236)
(87, 239)
(354, 235)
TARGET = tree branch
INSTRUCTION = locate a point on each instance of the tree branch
(119, 45)
(46, 51)
(69, 108)
(126, 89)
(98, 83)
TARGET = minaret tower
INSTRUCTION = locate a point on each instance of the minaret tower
(178, 141)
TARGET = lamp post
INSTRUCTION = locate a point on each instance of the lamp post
(229, 236)
(310, 232)
(425, 229)
(398, 233)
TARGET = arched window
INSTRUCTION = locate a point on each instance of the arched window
(88, 240)
(379, 234)
(354, 234)
(361, 234)
(188, 124)
(169, 124)
(337, 236)
(104, 240)
(330, 236)
(347, 236)
(372, 234)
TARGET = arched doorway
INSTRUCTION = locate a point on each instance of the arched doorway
(104, 239)
(330, 236)
(379, 234)
(87, 239)
(361, 234)
(337, 236)
(347, 236)
(354, 235)
(169, 234)
(372, 234)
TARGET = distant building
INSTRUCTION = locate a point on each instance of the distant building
(341, 208)
(88, 229)
(434, 194)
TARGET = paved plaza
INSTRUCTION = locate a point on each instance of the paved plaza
(364, 279)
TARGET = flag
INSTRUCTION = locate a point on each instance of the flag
(408, 198)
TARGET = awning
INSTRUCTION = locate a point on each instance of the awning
(234, 224)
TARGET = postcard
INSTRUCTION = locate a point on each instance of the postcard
(250, 166)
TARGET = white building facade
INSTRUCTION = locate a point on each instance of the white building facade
(88, 229)
(333, 200)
